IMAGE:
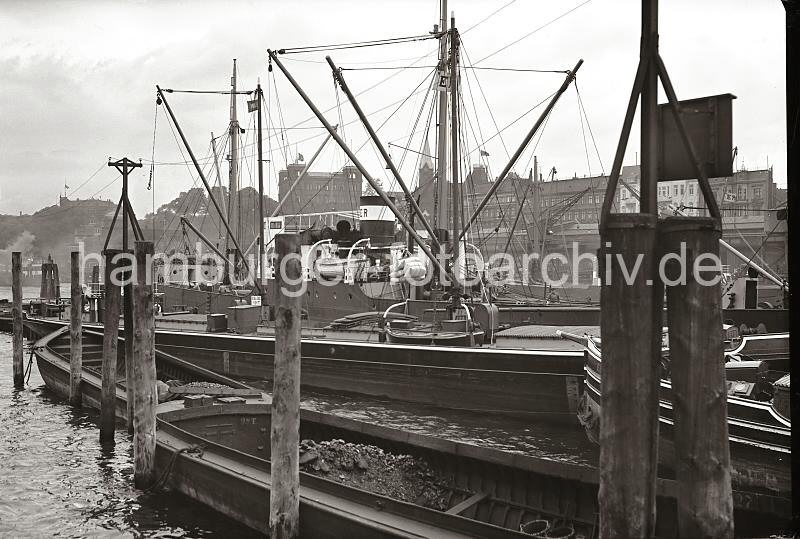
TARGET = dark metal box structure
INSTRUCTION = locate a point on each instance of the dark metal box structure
(709, 122)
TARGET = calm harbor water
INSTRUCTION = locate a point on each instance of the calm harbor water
(544, 440)
(32, 291)
(56, 480)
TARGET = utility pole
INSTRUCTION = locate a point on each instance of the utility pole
(125, 166)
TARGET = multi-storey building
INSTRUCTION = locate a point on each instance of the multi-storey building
(563, 215)
(749, 202)
(320, 192)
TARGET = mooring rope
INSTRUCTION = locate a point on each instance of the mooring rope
(161, 481)
(29, 368)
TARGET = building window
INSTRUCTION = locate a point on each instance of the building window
(757, 192)
(682, 189)
(674, 190)
(691, 190)
(741, 192)
(624, 194)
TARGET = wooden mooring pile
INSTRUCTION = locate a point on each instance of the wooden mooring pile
(631, 329)
(132, 270)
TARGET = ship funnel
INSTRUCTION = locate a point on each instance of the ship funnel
(377, 220)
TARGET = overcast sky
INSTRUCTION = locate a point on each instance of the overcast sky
(79, 80)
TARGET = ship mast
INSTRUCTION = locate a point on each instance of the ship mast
(233, 165)
(454, 185)
(440, 212)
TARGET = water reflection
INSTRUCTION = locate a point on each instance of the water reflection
(57, 480)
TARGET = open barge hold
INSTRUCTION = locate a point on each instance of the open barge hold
(491, 492)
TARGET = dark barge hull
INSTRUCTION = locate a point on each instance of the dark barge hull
(495, 491)
(52, 359)
(533, 384)
(539, 385)
(518, 487)
(233, 477)
(238, 485)
(6, 323)
(760, 439)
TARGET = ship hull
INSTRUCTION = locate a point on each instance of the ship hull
(537, 385)
(760, 439)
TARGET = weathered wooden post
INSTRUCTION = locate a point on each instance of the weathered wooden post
(631, 337)
(111, 311)
(697, 365)
(16, 319)
(632, 297)
(285, 434)
(127, 331)
(75, 329)
(144, 370)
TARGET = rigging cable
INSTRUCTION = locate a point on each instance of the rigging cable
(150, 186)
(489, 16)
(477, 138)
(511, 69)
(548, 23)
(284, 134)
(357, 44)
(486, 101)
(95, 173)
(588, 164)
(218, 92)
(426, 130)
(380, 82)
